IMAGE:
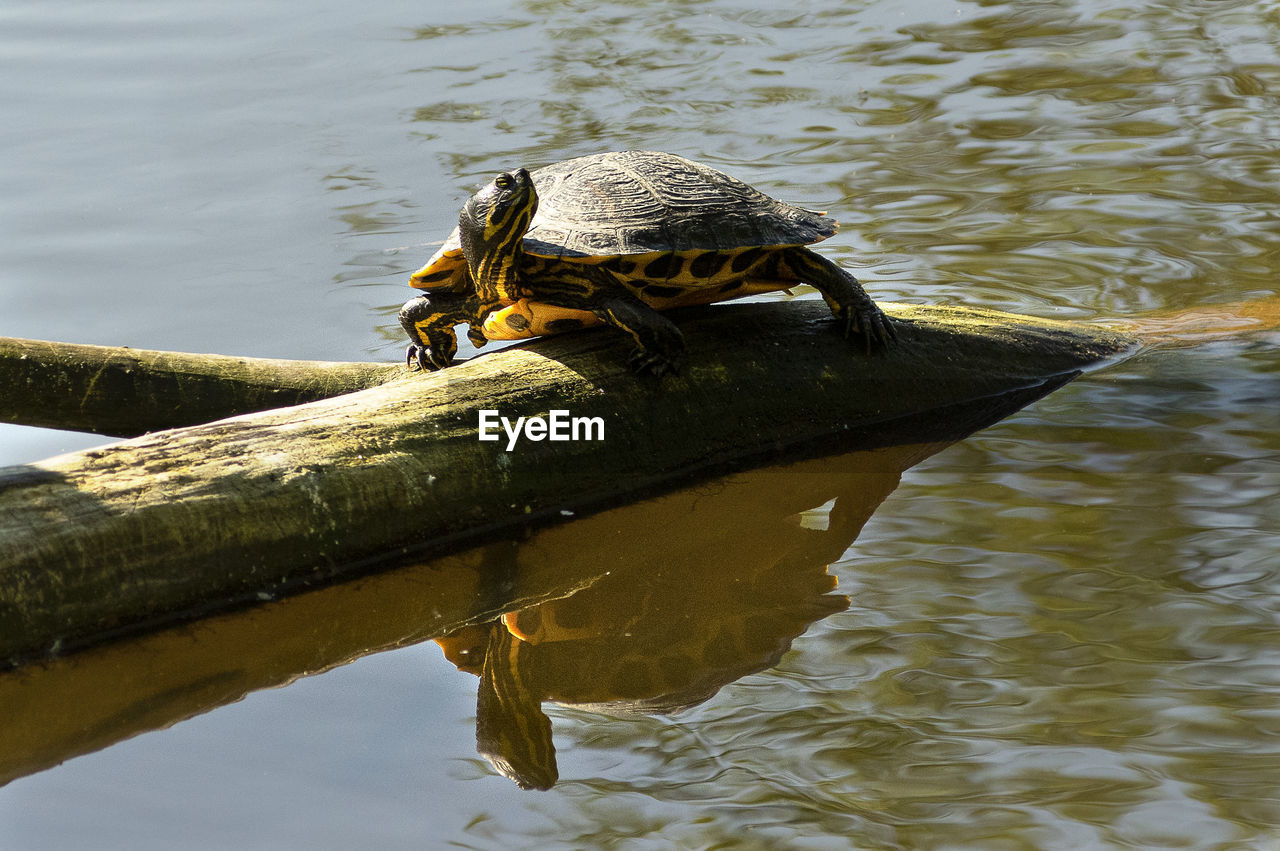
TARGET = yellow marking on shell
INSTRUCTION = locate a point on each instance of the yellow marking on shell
(640, 261)
(711, 295)
(589, 260)
(684, 277)
(527, 317)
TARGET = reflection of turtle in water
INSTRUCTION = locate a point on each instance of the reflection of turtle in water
(739, 570)
(601, 649)
(615, 238)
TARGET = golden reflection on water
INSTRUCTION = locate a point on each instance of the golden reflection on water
(612, 615)
(720, 593)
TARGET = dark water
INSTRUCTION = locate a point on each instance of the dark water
(1061, 633)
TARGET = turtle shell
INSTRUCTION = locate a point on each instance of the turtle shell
(642, 202)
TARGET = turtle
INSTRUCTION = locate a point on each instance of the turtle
(615, 238)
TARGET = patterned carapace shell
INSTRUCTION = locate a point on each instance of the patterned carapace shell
(645, 202)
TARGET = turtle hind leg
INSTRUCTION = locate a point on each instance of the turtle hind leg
(844, 295)
(429, 322)
(659, 343)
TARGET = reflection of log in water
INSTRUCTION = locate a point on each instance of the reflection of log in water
(131, 534)
(61, 708)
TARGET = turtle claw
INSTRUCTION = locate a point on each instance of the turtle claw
(423, 357)
(872, 325)
(878, 329)
(645, 362)
(416, 355)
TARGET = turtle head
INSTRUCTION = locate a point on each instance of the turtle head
(492, 225)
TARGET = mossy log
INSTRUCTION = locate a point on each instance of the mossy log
(124, 392)
(185, 520)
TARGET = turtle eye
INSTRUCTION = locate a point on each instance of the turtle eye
(503, 181)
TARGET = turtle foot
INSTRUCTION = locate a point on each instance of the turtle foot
(872, 325)
(647, 362)
(425, 358)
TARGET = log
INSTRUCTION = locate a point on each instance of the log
(124, 392)
(181, 522)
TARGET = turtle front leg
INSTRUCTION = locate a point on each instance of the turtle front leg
(429, 322)
(844, 295)
(659, 343)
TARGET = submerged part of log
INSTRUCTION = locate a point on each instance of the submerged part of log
(176, 521)
(1203, 323)
(124, 392)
